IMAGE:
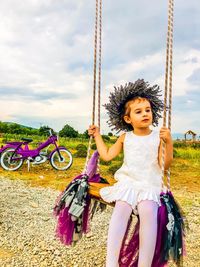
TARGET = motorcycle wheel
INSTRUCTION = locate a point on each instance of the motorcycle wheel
(9, 164)
(62, 163)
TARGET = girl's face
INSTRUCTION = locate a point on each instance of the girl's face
(140, 114)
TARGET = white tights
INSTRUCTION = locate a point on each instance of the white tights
(147, 211)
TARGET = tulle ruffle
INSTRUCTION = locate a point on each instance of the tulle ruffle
(131, 194)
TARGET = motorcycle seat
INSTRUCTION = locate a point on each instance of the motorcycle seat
(28, 140)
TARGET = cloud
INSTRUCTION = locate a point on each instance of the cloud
(195, 77)
(34, 95)
(46, 53)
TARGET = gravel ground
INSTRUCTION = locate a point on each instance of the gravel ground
(27, 231)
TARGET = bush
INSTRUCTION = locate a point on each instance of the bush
(119, 157)
(175, 153)
(93, 146)
(106, 163)
(179, 144)
(81, 147)
(195, 145)
(105, 137)
(114, 167)
(81, 153)
(183, 144)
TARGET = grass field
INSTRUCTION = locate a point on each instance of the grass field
(185, 170)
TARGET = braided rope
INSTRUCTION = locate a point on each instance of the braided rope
(99, 80)
(94, 84)
(100, 48)
(168, 85)
(95, 63)
(170, 81)
(98, 19)
(170, 64)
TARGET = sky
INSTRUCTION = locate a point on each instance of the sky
(46, 58)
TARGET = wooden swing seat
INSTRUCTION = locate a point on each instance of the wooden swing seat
(94, 192)
(94, 189)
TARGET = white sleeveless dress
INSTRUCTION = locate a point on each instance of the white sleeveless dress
(140, 176)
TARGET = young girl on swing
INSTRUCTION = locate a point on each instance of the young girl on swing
(134, 108)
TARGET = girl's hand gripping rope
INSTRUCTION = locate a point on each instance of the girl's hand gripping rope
(93, 130)
(106, 153)
(165, 135)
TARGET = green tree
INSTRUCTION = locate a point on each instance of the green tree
(3, 127)
(44, 130)
(68, 131)
(85, 134)
(34, 132)
(14, 128)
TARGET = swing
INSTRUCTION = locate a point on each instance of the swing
(73, 207)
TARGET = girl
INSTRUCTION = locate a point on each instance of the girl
(134, 108)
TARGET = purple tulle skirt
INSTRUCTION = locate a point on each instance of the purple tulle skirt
(169, 243)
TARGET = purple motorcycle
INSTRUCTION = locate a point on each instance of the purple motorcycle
(13, 154)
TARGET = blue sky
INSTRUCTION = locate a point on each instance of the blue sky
(46, 52)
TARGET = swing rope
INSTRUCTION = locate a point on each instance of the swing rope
(100, 49)
(168, 84)
(99, 74)
(98, 33)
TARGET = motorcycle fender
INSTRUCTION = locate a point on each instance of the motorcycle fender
(6, 147)
(59, 147)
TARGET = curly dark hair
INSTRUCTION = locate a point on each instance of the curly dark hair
(122, 94)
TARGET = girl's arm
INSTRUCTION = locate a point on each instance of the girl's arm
(106, 153)
(165, 137)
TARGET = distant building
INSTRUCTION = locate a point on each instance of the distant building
(191, 134)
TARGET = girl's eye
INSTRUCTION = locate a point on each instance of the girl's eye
(137, 112)
(148, 110)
